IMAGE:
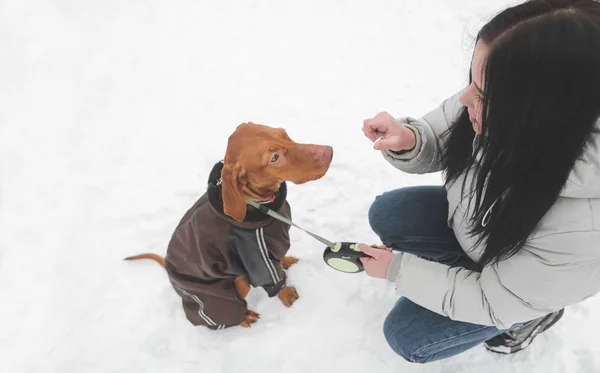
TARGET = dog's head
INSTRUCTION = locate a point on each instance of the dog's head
(259, 158)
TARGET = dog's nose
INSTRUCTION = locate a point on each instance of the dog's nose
(324, 154)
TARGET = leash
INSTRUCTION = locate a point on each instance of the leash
(285, 220)
(341, 256)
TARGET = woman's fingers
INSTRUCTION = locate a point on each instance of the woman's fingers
(370, 130)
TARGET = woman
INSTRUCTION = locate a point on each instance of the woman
(513, 236)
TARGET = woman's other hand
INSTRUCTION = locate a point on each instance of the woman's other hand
(396, 136)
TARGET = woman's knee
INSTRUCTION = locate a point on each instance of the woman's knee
(390, 209)
(408, 211)
(399, 339)
(383, 210)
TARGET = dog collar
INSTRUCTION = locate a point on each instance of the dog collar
(270, 200)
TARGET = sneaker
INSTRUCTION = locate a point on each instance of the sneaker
(520, 337)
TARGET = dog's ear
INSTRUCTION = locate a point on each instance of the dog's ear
(232, 180)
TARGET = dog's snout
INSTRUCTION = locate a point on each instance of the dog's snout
(324, 154)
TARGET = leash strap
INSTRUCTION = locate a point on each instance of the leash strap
(268, 211)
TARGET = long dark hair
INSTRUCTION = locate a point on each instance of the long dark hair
(540, 104)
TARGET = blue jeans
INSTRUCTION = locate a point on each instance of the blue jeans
(414, 220)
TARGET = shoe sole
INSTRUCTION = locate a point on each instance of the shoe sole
(504, 350)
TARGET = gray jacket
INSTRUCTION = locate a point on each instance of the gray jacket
(558, 266)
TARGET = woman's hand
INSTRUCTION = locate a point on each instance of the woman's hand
(378, 264)
(396, 137)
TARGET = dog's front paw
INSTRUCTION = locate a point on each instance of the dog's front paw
(250, 318)
(288, 261)
(288, 295)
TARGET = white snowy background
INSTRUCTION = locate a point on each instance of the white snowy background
(111, 116)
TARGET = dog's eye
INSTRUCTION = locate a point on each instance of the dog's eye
(274, 157)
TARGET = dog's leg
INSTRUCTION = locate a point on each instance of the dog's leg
(288, 261)
(242, 286)
(250, 318)
(288, 295)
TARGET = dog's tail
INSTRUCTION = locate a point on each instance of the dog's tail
(157, 258)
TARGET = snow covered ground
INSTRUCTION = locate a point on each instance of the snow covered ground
(111, 116)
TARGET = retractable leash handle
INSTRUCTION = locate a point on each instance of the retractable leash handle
(341, 256)
(345, 257)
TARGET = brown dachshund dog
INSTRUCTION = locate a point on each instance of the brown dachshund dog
(258, 161)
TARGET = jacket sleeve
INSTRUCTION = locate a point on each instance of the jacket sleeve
(430, 134)
(249, 247)
(521, 288)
